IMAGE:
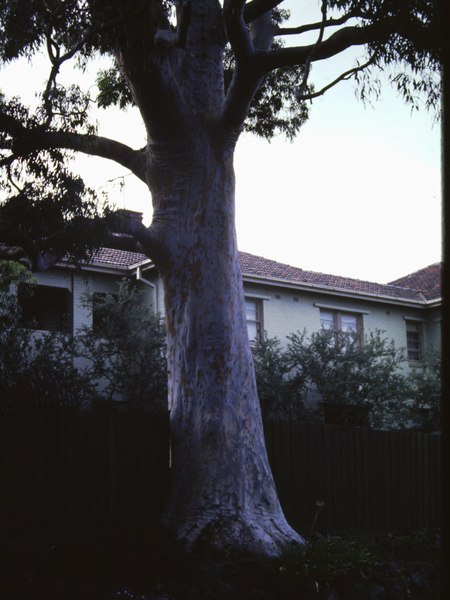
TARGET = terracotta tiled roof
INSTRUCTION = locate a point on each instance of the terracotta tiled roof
(262, 267)
(117, 258)
(420, 286)
(427, 280)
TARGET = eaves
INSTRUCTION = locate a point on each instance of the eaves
(100, 267)
(332, 291)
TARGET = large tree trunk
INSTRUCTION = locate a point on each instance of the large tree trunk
(222, 491)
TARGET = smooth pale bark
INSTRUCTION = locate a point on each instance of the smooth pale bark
(222, 491)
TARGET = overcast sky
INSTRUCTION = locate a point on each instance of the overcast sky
(358, 193)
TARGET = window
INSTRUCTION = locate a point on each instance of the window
(413, 341)
(341, 321)
(254, 319)
(45, 307)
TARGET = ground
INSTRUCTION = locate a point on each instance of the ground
(383, 567)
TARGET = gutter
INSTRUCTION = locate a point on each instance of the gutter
(139, 277)
(311, 287)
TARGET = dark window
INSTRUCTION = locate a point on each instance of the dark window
(45, 307)
(413, 341)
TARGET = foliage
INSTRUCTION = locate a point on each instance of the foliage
(413, 545)
(402, 564)
(126, 349)
(280, 396)
(37, 144)
(328, 558)
(347, 373)
(36, 368)
(425, 387)
(274, 109)
(123, 359)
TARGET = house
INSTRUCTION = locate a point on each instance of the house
(280, 299)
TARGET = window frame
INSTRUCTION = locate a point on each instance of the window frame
(337, 321)
(37, 305)
(418, 331)
(258, 321)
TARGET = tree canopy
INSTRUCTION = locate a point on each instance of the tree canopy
(262, 82)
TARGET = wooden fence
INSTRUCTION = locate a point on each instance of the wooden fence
(100, 473)
(65, 472)
(368, 480)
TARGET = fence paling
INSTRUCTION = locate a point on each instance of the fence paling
(71, 471)
(369, 480)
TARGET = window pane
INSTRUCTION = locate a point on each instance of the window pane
(349, 323)
(251, 309)
(45, 307)
(413, 341)
(252, 329)
(326, 319)
(253, 315)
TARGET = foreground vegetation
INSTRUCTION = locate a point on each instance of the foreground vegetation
(399, 565)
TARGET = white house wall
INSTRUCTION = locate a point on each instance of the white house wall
(285, 310)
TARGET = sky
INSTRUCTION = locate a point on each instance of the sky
(357, 194)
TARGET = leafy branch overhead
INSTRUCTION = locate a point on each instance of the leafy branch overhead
(184, 64)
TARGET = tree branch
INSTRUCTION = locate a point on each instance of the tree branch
(184, 19)
(245, 78)
(17, 245)
(344, 76)
(126, 233)
(261, 32)
(335, 44)
(256, 8)
(314, 26)
(236, 28)
(102, 147)
(26, 141)
(316, 46)
(15, 253)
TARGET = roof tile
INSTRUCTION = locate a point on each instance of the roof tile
(117, 258)
(419, 286)
(259, 266)
(427, 280)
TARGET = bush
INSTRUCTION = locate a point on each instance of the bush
(362, 382)
(426, 391)
(279, 394)
(126, 352)
(123, 359)
(36, 369)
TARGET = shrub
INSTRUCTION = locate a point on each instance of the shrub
(36, 369)
(279, 394)
(126, 352)
(363, 380)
